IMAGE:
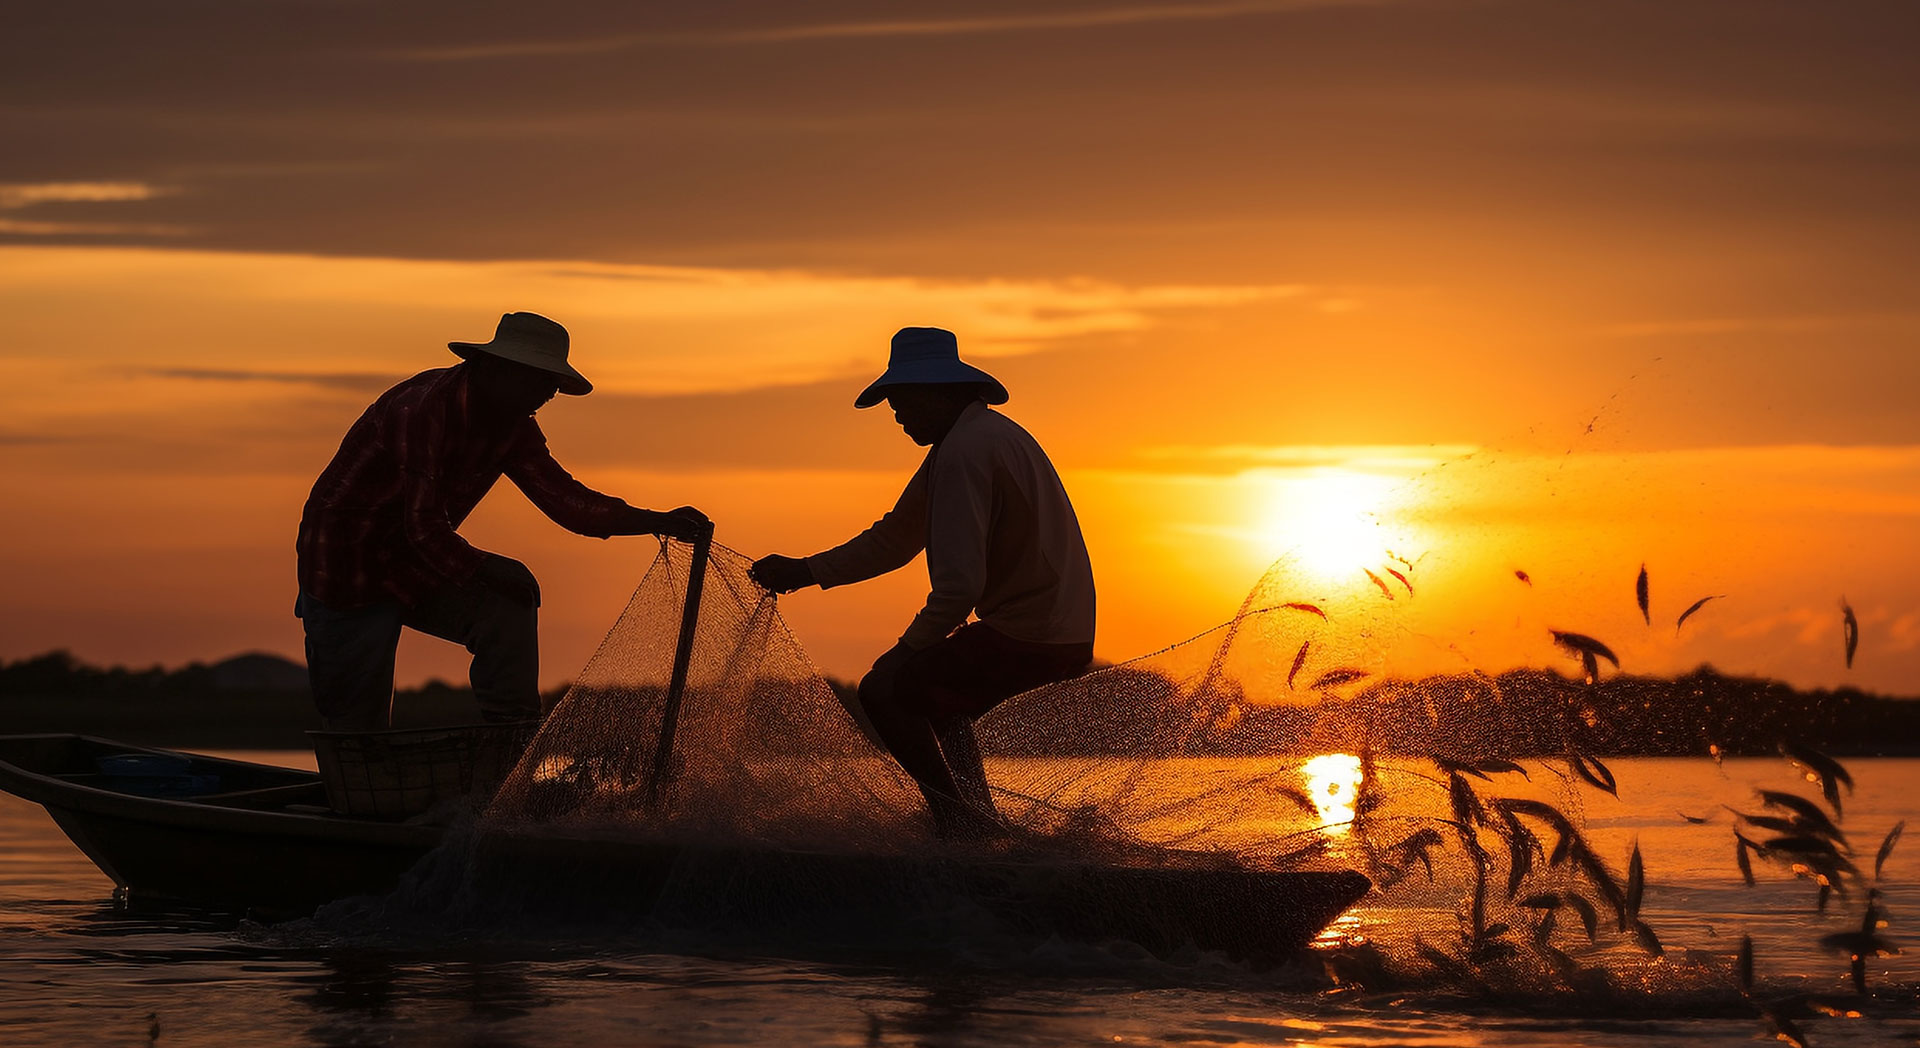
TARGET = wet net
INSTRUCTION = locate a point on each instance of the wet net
(1265, 744)
(762, 750)
(1279, 741)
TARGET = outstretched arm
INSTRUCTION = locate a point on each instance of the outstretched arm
(889, 543)
(582, 510)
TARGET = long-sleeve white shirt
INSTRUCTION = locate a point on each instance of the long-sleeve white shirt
(1001, 538)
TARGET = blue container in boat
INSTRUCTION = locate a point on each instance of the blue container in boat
(154, 775)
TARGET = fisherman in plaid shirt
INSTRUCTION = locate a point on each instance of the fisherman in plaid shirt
(378, 546)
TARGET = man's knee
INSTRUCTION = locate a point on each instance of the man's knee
(876, 693)
(502, 620)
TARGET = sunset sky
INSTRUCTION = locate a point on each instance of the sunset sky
(1554, 288)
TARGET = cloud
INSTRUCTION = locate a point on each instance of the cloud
(636, 328)
(879, 29)
(15, 227)
(1383, 458)
(353, 381)
(16, 195)
(1730, 325)
(18, 439)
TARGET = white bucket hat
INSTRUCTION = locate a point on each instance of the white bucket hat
(927, 356)
(533, 340)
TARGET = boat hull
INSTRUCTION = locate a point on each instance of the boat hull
(1255, 915)
(243, 848)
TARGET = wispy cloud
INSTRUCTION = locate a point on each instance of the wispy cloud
(18, 439)
(655, 329)
(16, 195)
(1093, 18)
(1728, 325)
(353, 381)
(23, 228)
(1389, 458)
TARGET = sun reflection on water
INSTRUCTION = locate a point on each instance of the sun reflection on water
(1333, 783)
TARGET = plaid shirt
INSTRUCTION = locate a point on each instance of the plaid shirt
(380, 523)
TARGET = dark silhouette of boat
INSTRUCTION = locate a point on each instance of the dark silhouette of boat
(182, 827)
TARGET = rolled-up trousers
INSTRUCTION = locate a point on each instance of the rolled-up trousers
(350, 653)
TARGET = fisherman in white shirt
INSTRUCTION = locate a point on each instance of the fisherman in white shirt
(1002, 545)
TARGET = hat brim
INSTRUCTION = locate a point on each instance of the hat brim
(572, 383)
(930, 373)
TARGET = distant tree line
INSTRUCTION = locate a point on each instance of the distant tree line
(1524, 712)
(261, 701)
(246, 702)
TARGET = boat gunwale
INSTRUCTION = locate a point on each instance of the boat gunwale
(51, 791)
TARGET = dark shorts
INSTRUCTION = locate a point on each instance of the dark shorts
(977, 667)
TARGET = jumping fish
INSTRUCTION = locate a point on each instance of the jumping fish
(1479, 767)
(1311, 609)
(1687, 614)
(1640, 594)
(1466, 805)
(1416, 846)
(1849, 628)
(1380, 582)
(1580, 643)
(1521, 846)
(1886, 847)
(1594, 771)
(1860, 945)
(1403, 580)
(1636, 882)
(1299, 659)
(1523, 576)
(1589, 916)
(1335, 678)
(1828, 771)
(1740, 847)
(1647, 940)
(1806, 814)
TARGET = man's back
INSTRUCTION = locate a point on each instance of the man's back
(1038, 579)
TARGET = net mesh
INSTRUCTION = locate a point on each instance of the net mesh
(1267, 742)
(1279, 741)
(762, 749)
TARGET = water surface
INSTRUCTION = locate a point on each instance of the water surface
(74, 969)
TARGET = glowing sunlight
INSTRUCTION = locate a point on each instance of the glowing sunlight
(1333, 783)
(1330, 519)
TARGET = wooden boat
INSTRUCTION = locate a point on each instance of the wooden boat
(233, 834)
(255, 836)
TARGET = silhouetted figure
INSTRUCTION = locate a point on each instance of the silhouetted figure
(378, 548)
(1002, 543)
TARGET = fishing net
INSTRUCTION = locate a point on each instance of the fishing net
(1266, 744)
(1279, 741)
(1198, 747)
(761, 748)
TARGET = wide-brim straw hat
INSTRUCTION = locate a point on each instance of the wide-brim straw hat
(928, 356)
(533, 340)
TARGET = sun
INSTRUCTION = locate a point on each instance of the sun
(1329, 519)
(1333, 784)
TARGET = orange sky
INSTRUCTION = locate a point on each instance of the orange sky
(1547, 287)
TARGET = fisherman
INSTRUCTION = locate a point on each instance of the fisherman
(378, 547)
(1002, 544)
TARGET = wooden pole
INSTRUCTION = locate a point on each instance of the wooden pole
(682, 655)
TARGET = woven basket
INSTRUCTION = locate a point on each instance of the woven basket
(400, 774)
